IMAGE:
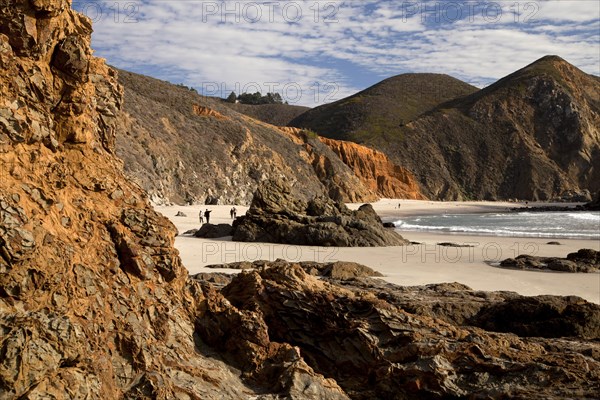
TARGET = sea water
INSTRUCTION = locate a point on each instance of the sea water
(575, 225)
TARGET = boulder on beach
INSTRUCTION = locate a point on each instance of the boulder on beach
(584, 260)
(277, 215)
(212, 231)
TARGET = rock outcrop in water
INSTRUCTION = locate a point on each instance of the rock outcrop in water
(594, 205)
(278, 215)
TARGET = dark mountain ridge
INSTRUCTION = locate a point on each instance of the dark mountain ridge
(532, 135)
(274, 114)
(382, 108)
(182, 147)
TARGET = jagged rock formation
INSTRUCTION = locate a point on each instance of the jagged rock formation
(532, 135)
(372, 167)
(278, 215)
(378, 340)
(182, 147)
(94, 302)
(585, 260)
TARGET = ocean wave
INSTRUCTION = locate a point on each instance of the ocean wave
(504, 231)
(585, 216)
(540, 225)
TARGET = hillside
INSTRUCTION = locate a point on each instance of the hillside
(182, 147)
(533, 135)
(383, 108)
(274, 114)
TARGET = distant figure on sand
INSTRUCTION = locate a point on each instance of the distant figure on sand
(233, 213)
(207, 215)
(200, 217)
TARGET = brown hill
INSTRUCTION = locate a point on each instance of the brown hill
(182, 147)
(381, 109)
(274, 114)
(532, 135)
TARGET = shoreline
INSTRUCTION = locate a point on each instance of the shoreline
(411, 265)
(387, 208)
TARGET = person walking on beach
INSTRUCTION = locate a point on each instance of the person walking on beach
(233, 213)
(207, 215)
(200, 217)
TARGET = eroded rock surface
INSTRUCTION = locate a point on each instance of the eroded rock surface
(374, 169)
(375, 341)
(584, 260)
(94, 301)
(278, 215)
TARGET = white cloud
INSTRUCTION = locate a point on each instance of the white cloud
(234, 43)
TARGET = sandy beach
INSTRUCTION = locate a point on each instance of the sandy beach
(410, 265)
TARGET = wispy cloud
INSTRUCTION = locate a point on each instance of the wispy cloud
(319, 51)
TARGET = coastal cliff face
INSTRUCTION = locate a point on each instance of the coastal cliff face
(94, 301)
(373, 168)
(376, 170)
(182, 147)
(532, 135)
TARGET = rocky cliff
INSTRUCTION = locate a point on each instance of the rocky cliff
(372, 167)
(376, 170)
(94, 302)
(532, 135)
(182, 147)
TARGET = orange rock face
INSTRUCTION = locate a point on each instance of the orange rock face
(206, 112)
(372, 167)
(376, 170)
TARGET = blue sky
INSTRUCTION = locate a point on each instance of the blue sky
(313, 52)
